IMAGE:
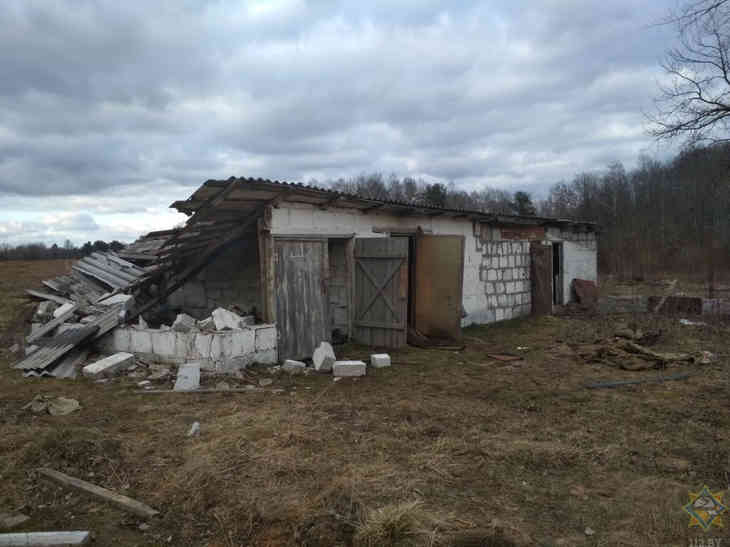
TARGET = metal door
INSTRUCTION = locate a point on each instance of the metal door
(438, 280)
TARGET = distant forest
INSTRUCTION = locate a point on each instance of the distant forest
(41, 251)
(658, 217)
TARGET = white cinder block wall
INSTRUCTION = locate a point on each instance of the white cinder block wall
(580, 256)
(496, 272)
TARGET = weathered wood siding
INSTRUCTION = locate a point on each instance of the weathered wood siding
(381, 291)
(301, 296)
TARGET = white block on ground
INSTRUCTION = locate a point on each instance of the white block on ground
(188, 377)
(109, 365)
(183, 323)
(225, 319)
(58, 312)
(126, 299)
(293, 367)
(379, 360)
(349, 368)
(323, 357)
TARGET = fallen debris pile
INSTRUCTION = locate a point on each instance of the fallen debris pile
(82, 307)
(624, 352)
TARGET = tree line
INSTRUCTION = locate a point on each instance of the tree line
(41, 251)
(656, 217)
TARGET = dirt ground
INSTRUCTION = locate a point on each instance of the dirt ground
(489, 452)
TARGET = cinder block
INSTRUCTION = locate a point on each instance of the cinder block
(163, 343)
(109, 365)
(492, 275)
(265, 337)
(349, 368)
(379, 360)
(188, 377)
(293, 367)
(140, 341)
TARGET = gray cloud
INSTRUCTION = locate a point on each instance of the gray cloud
(137, 103)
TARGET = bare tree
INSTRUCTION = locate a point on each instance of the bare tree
(695, 103)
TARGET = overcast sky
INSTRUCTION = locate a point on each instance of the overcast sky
(111, 110)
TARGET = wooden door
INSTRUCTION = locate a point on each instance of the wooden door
(301, 296)
(438, 280)
(381, 291)
(541, 275)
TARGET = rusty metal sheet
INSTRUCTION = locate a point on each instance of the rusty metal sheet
(439, 276)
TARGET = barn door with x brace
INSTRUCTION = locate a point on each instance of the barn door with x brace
(381, 291)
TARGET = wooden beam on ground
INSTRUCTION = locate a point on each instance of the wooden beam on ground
(48, 327)
(620, 383)
(44, 539)
(205, 390)
(123, 502)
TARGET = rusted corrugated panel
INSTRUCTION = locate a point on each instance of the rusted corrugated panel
(439, 265)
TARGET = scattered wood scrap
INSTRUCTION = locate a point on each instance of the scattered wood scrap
(123, 502)
(620, 383)
(44, 539)
(504, 357)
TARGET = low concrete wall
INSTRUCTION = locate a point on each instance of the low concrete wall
(222, 351)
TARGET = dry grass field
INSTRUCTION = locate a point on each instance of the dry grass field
(443, 448)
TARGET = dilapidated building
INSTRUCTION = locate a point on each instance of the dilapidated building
(319, 263)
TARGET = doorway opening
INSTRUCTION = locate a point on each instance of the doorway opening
(557, 274)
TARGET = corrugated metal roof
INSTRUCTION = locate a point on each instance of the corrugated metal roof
(249, 190)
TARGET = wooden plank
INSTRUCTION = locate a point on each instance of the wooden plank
(44, 539)
(123, 502)
(47, 296)
(206, 390)
(48, 327)
(111, 269)
(620, 383)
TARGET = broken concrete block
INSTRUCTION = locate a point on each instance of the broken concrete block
(141, 323)
(379, 360)
(188, 377)
(58, 312)
(109, 365)
(349, 368)
(140, 341)
(225, 319)
(45, 310)
(183, 323)
(323, 357)
(194, 430)
(265, 337)
(207, 324)
(293, 367)
(126, 299)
